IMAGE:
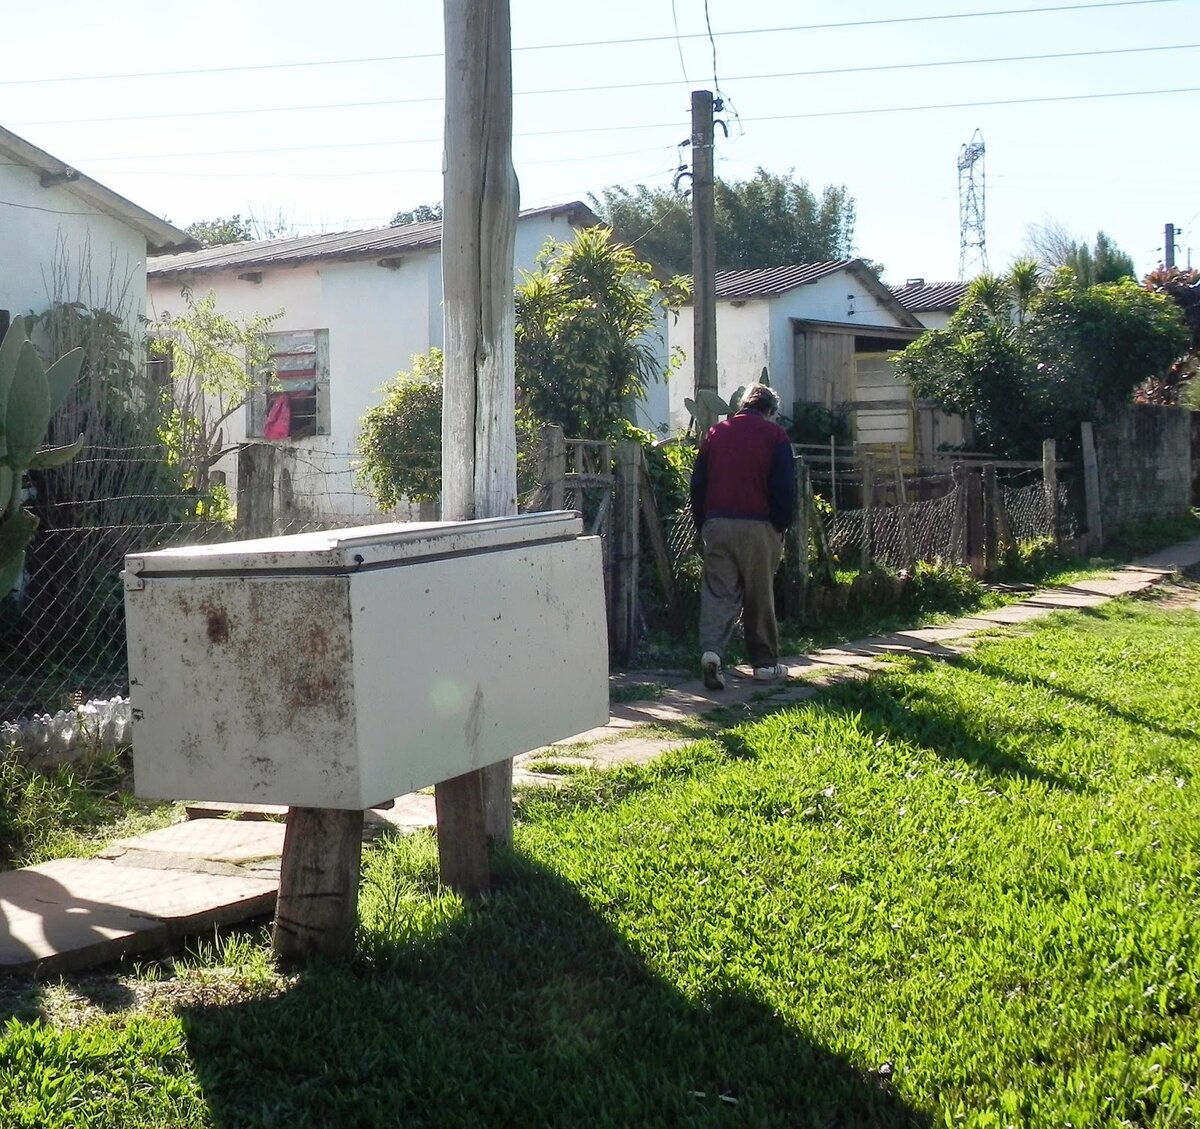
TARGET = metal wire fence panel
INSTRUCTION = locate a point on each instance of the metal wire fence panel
(1029, 516)
(899, 534)
(64, 628)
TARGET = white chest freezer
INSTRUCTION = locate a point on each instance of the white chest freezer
(341, 668)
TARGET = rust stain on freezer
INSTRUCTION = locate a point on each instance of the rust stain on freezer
(216, 624)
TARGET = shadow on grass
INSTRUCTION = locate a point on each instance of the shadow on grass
(1130, 717)
(911, 713)
(527, 1011)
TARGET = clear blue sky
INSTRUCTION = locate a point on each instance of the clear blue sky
(335, 119)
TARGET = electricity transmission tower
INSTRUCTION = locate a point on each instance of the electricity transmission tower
(972, 244)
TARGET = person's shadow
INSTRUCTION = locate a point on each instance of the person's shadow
(47, 928)
(528, 1011)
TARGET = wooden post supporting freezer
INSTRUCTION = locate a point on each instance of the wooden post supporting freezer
(479, 446)
(317, 911)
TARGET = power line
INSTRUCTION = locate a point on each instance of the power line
(823, 72)
(629, 126)
(890, 20)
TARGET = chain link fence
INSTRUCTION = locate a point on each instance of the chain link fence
(63, 628)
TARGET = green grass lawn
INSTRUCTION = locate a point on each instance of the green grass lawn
(957, 893)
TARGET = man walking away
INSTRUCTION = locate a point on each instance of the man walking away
(743, 494)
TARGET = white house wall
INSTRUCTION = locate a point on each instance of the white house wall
(377, 318)
(102, 258)
(743, 336)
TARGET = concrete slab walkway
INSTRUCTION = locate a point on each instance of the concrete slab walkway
(147, 892)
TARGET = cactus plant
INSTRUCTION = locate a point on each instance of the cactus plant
(29, 396)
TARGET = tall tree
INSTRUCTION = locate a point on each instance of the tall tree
(1055, 247)
(767, 221)
(1021, 375)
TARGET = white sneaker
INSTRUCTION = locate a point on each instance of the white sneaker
(770, 673)
(710, 666)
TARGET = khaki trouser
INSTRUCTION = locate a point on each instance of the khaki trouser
(740, 559)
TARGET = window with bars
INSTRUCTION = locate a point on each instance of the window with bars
(292, 401)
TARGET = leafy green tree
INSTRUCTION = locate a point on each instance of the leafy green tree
(234, 229)
(222, 230)
(767, 221)
(1024, 373)
(422, 213)
(217, 363)
(400, 438)
(586, 320)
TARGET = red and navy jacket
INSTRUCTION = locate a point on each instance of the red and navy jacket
(744, 470)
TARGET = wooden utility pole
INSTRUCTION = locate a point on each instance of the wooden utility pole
(479, 446)
(1169, 233)
(704, 259)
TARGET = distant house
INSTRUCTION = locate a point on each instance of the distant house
(931, 302)
(357, 306)
(823, 332)
(64, 236)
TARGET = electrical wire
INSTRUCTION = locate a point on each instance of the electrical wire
(889, 20)
(823, 72)
(626, 127)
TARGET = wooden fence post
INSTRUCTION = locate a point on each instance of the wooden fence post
(625, 549)
(958, 523)
(1050, 485)
(991, 536)
(256, 490)
(868, 502)
(976, 558)
(910, 550)
(800, 536)
(552, 464)
(1091, 487)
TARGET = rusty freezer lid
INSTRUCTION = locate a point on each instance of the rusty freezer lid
(359, 547)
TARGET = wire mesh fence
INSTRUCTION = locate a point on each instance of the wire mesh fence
(63, 628)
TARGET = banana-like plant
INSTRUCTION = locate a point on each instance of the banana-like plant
(29, 396)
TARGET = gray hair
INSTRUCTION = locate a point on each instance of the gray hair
(762, 398)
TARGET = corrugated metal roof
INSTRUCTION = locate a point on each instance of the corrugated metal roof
(764, 282)
(346, 245)
(917, 296)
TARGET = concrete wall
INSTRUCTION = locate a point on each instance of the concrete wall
(1145, 464)
(48, 232)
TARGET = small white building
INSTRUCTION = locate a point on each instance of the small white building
(65, 237)
(357, 306)
(825, 334)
